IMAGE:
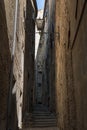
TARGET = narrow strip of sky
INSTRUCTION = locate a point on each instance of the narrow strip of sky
(40, 4)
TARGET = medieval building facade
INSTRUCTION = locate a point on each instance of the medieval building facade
(17, 42)
(63, 62)
(45, 56)
(71, 62)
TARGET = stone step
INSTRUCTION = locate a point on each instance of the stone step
(41, 117)
(41, 122)
(44, 119)
(39, 106)
(44, 128)
(43, 114)
(48, 125)
(40, 111)
(40, 125)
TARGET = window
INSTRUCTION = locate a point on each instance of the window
(76, 12)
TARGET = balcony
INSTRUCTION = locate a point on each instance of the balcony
(39, 23)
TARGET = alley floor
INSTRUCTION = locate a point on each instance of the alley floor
(46, 128)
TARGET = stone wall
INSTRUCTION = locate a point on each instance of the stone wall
(29, 58)
(7, 25)
(18, 68)
(4, 66)
(79, 58)
(23, 60)
(70, 57)
(19, 60)
(45, 58)
(50, 58)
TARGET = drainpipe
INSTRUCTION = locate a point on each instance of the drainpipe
(12, 66)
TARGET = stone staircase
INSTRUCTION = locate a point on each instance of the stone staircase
(41, 117)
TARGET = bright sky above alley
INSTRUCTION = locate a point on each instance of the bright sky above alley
(40, 4)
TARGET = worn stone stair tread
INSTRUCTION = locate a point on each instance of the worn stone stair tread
(40, 125)
(40, 117)
(43, 115)
(48, 118)
(37, 121)
(39, 113)
(48, 125)
(44, 128)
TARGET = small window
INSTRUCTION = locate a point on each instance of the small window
(76, 12)
(33, 16)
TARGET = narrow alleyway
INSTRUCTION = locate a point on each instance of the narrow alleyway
(43, 64)
(43, 113)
